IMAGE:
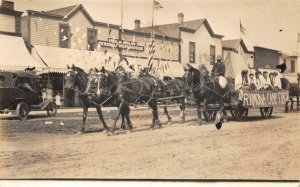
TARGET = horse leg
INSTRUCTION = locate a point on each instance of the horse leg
(117, 117)
(123, 122)
(182, 109)
(298, 103)
(84, 116)
(286, 107)
(292, 104)
(155, 120)
(199, 112)
(128, 119)
(167, 114)
(100, 115)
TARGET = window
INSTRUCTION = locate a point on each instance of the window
(91, 39)
(64, 36)
(192, 50)
(212, 54)
(293, 66)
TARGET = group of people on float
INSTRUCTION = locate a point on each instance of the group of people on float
(258, 81)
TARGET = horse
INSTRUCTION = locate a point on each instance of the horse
(76, 77)
(205, 90)
(172, 91)
(132, 91)
(169, 91)
(294, 91)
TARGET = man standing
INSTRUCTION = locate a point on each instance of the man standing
(241, 81)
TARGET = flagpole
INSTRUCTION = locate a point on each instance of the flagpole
(240, 29)
(153, 14)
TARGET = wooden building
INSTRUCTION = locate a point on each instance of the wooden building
(10, 19)
(200, 45)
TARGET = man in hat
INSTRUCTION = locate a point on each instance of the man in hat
(265, 81)
(218, 68)
(252, 81)
(241, 81)
(277, 81)
(257, 77)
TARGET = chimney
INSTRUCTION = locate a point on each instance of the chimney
(137, 23)
(180, 18)
(7, 4)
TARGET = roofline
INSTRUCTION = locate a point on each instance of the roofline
(267, 48)
(7, 11)
(149, 34)
(97, 23)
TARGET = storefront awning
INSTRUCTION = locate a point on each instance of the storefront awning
(15, 56)
(57, 59)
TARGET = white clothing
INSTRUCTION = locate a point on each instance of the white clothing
(277, 82)
(238, 82)
(57, 100)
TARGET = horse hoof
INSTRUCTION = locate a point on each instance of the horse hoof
(79, 132)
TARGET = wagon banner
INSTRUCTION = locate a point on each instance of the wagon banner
(264, 98)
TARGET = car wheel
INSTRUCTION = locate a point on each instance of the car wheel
(22, 110)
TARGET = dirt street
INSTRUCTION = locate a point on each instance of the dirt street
(253, 149)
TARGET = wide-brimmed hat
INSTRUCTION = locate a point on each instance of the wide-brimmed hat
(244, 71)
(219, 57)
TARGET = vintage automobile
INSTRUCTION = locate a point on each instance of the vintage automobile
(20, 93)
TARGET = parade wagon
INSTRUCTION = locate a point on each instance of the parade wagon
(243, 100)
(20, 93)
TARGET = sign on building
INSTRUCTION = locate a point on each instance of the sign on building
(114, 43)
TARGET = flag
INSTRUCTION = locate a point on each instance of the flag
(298, 40)
(151, 48)
(156, 5)
(242, 28)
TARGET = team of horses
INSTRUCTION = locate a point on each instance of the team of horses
(110, 87)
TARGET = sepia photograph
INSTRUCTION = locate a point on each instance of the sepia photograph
(150, 90)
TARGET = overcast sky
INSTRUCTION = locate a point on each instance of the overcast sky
(262, 19)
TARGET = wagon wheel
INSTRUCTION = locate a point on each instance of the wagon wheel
(22, 110)
(239, 113)
(209, 115)
(51, 109)
(266, 111)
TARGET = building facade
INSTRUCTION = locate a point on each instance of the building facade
(10, 19)
(265, 58)
(291, 71)
(199, 44)
(72, 29)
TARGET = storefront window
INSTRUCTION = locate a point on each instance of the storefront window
(212, 54)
(92, 39)
(192, 52)
(293, 66)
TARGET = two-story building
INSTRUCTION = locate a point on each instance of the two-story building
(292, 66)
(200, 45)
(13, 52)
(70, 35)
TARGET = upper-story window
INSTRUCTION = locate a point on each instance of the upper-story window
(64, 36)
(192, 49)
(91, 39)
(293, 66)
(212, 54)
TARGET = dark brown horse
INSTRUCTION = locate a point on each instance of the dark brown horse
(132, 91)
(76, 77)
(205, 90)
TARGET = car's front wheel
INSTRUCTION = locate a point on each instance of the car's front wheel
(22, 110)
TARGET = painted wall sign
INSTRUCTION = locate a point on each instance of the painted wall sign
(114, 43)
(265, 98)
